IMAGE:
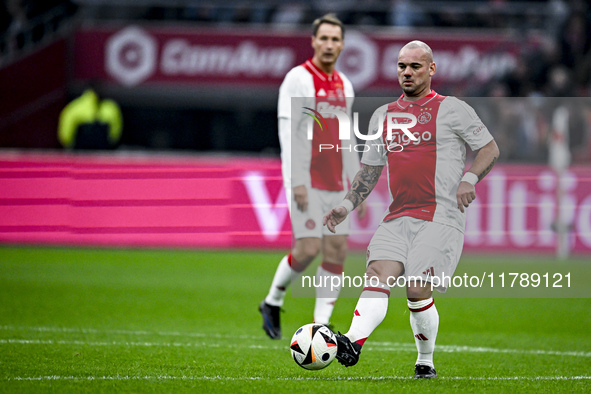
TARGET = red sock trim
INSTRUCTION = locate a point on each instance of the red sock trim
(378, 289)
(361, 341)
(423, 308)
(332, 268)
(297, 267)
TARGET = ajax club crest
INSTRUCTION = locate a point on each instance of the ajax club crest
(424, 118)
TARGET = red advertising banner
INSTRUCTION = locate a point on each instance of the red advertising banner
(159, 201)
(135, 55)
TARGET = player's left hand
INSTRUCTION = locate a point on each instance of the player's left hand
(465, 195)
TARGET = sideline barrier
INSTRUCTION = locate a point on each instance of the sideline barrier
(185, 201)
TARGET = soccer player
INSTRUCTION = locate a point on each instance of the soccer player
(314, 180)
(422, 234)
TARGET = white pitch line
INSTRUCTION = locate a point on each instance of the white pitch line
(373, 346)
(402, 347)
(472, 349)
(124, 343)
(286, 379)
(123, 332)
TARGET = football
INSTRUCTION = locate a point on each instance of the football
(313, 346)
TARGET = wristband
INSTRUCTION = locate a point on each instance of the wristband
(470, 177)
(348, 205)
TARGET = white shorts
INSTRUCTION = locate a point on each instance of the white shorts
(427, 249)
(308, 224)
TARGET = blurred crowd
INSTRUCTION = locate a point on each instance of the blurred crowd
(481, 14)
(524, 127)
(557, 64)
(401, 13)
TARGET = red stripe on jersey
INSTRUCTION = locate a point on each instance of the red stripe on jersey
(326, 167)
(412, 171)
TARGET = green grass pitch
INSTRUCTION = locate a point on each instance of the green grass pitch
(110, 320)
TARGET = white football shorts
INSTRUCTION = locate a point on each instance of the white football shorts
(308, 224)
(427, 249)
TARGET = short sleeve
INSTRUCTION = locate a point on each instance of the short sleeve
(297, 83)
(466, 123)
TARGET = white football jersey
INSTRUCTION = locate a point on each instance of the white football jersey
(424, 175)
(302, 161)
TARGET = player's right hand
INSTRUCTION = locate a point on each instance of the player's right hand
(334, 217)
(300, 195)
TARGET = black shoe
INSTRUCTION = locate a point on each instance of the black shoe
(424, 372)
(347, 352)
(271, 323)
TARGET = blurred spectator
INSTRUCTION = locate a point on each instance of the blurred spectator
(578, 131)
(18, 22)
(560, 83)
(404, 13)
(575, 40)
(198, 13)
(289, 13)
(517, 81)
(90, 123)
(541, 59)
(260, 13)
(559, 11)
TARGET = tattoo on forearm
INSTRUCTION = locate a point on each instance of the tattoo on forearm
(487, 170)
(363, 184)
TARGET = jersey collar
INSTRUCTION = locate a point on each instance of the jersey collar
(421, 102)
(321, 74)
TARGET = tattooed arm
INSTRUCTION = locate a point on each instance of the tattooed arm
(364, 182)
(483, 163)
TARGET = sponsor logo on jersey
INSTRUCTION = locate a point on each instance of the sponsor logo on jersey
(402, 139)
(479, 129)
(324, 106)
